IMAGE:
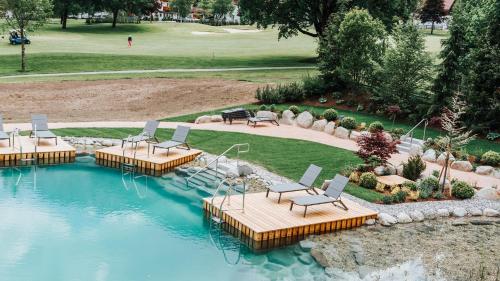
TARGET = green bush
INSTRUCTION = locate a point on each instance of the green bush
(272, 108)
(360, 107)
(313, 86)
(336, 95)
(399, 197)
(410, 185)
(388, 199)
(295, 109)
(435, 173)
(462, 190)
(396, 133)
(438, 195)
(368, 180)
(330, 114)
(491, 158)
(268, 95)
(375, 127)
(348, 123)
(292, 92)
(263, 107)
(424, 194)
(428, 184)
(413, 168)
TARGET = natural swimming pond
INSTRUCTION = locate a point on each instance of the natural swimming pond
(80, 221)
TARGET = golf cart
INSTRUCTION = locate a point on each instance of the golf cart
(15, 38)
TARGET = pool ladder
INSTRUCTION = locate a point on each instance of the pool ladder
(130, 169)
(24, 161)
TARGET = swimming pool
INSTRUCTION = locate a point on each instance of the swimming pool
(80, 221)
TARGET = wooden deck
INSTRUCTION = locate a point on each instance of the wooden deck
(264, 221)
(47, 152)
(151, 164)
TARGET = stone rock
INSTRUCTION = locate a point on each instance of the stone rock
(417, 216)
(459, 212)
(386, 219)
(430, 214)
(443, 213)
(484, 170)
(442, 157)
(266, 114)
(354, 135)
(307, 245)
(320, 257)
(304, 120)
(203, 119)
(370, 222)
(459, 223)
(281, 258)
(399, 170)
(365, 270)
(388, 137)
(490, 212)
(244, 170)
(342, 133)
(390, 170)
(496, 174)
(488, 193)
(306, 259)
(415, 151)
(429, 155)
(288, 117)
(319, 125)
(481, 222)
(107, 143)
(475, 212)
(379, 171)
(216, 118)
(465, 166)
(330, 128)
(403, 218)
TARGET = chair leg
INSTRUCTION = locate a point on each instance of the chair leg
(305, 211)
(123, 143)
(56, 141)
(291, 205)
(168, 150)
(343, 205)
(279, 198)
(154, 147)
(267, 193)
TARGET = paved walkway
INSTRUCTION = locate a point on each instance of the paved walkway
(283, 131)
(166, 70)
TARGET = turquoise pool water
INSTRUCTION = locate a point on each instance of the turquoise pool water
(81, 222)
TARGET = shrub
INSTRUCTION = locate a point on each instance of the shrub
(399, 197)
(295, 109)
(429, 184)
(368, 180)
(462, 190)
(263, 107)
(438, 195)
(375, 145)
(388, 199)
(491, 158)
(492, 136)
(272, 108)
(336, 95)
(348, 123)
(375, 127)
(268, 95)
(424, 194)
(396, 133)
(413, 168)
(313, 86)
(292, 92)
(330, 114)
(410, 185)
(435, 173)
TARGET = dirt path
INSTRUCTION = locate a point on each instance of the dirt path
(125, 100)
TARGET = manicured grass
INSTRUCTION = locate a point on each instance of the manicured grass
(476, 147)
(285, 157)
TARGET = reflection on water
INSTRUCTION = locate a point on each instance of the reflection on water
(83, 222)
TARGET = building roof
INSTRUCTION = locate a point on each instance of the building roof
(448, 4)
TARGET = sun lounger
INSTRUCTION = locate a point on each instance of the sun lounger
(148, 134)
(254, 120)
(331, 195)
(178, 139)
(40, 128)
(3, 134)
(304, 184)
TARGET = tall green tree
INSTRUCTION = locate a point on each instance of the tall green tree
(406, 75)
(63, 8)
(182, 7)
(27, 15)
(220, 8)
(433, 11)
(311, 17)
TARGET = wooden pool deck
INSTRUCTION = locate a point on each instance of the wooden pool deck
(265, 220)
(147, 163)
(47, 152)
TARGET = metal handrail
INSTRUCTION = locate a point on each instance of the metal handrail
(410, 132)
(239, 146)
(228, 196)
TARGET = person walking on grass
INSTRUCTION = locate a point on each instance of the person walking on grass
(130, 41)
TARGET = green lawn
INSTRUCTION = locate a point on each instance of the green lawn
(285, 157)
(477, 147)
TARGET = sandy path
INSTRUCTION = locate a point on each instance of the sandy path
(124, 100)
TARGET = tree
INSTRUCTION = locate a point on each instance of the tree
(311, 17)
(456, 134)
(220, 8)
(354, 50)
(149, 7)
(63, 8)
(206, 6)
(433, 11)
(375, 145)
(27, 15)
(407, 73)
(182, 7)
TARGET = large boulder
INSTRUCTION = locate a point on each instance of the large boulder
(490, 212)
(488, 193)
(388, 137)
(459, 212)
(342, 133)
(203, 119)
(330, 128)
(417, 215)
(244, 170)
(319, 125)
(415, 150)
(386, 219)
(429, 155)
(465, 166)
(354, 135)
(267, 114)
(403, 218)
(379, 171)
(216, 118)
(484, 170)
(442, 158)
(305, 119)
(287, 117)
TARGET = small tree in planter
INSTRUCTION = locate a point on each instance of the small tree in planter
(375, 145)
(456, 135)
